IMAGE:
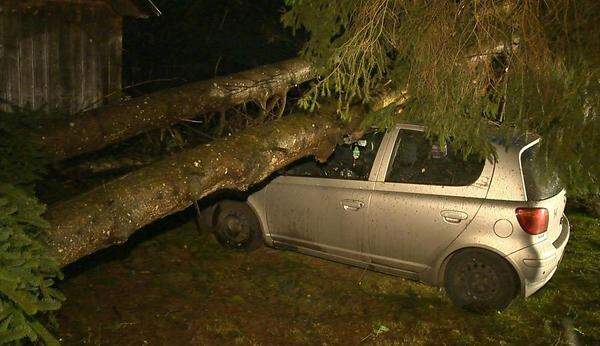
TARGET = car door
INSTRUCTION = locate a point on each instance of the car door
(323, 207)
(424, 197)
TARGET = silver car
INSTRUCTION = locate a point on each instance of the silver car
(396, 202)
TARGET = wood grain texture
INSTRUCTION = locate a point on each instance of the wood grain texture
(63, 56)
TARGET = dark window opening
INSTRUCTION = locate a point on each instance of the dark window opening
(417, 160)
(349, 161)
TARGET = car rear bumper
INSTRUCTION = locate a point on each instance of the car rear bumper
(537, 264)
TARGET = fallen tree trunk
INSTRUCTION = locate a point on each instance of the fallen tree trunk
(98, 128)
(109, 214)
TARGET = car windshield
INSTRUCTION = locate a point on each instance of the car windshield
(539, 175)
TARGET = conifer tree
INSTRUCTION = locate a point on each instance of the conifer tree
(533, 65)
(27, 270)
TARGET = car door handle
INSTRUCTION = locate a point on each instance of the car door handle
(352, 204)
(453, 216)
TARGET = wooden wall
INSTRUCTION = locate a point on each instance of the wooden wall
(60, 55)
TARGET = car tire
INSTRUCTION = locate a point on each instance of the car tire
(480, 281)
(237, 226)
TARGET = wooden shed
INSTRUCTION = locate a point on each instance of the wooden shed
(63, 54)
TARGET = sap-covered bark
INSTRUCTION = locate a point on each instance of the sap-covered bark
(109, 214)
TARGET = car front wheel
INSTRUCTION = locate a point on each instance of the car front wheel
(237, 226)
(480, 281)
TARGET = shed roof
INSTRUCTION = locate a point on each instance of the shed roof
(135, 8)
(125, 8)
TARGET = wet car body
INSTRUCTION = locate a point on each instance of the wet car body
(407, 213)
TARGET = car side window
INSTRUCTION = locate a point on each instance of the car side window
(349, 161)
(417, 160)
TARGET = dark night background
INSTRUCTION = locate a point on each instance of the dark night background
(172, 283)
(198, 39)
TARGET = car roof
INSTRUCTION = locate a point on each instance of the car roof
(510, 138)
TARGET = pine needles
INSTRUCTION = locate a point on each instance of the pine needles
(27, 271)
(462, 62)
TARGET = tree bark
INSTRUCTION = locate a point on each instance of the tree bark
(98, 128)
(109, 214)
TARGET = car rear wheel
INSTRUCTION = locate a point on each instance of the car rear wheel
(480, 281)
(237, 226)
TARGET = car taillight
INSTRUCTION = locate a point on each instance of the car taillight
(533, 220)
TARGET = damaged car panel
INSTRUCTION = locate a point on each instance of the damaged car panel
(324, 207)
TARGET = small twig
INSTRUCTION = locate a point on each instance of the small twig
(192, 121)
(362, 275)
(366, 337)
(217, 65)
(198, 131)
(95, 103)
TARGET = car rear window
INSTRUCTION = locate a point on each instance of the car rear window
(540, 176)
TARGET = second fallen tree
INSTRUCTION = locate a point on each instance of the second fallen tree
(101, 127)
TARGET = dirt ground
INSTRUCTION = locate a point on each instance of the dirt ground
(172, 285)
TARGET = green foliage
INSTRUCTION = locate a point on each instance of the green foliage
(458, 61)
(27, 272)
(21, 160)
(344, 41)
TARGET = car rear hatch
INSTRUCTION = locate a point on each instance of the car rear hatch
(544, 190)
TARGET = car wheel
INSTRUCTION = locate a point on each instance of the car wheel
(237, 226)
(480, 281)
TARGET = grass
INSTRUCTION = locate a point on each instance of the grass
(180, 287)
